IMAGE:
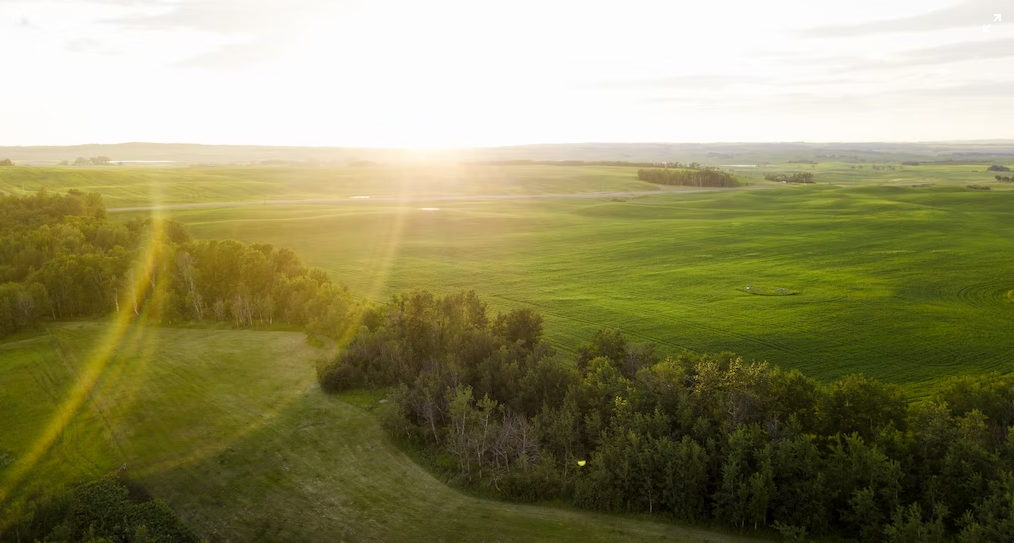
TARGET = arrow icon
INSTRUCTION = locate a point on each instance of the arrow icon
(996, 17)
(985, 28)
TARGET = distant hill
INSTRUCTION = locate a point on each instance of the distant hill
(708, 153)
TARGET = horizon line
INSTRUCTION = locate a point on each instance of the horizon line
(461, 148)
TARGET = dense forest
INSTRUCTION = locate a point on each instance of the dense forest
(60, 257)
(697, 438)
(706, 177)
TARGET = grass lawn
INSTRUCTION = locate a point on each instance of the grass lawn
(231, 430)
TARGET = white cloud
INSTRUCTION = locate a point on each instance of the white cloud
(962, 14)
(456, 72)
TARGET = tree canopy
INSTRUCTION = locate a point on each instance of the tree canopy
(798, 177)
(695, 437)
(61, 257)
(706, 177)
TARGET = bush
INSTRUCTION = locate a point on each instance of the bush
(336, 375)
(537, 482)
(101, 510)
(393, 416)
(789, 533)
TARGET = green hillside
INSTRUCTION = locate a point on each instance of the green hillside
(231, 429)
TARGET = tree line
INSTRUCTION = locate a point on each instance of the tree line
(623, 163)
(60, 257)
(707, 177)
(798, 177)
(91, 161)
(888, 167)
(702, 438)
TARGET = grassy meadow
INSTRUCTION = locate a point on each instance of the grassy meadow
(149, 186)
(903, 284)
(230, 428)
(126, 186)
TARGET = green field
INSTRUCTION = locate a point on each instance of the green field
(231, 429)
(145, 186)
(904, 284)
(137, 186)
(843, 174)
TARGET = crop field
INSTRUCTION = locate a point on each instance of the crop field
(230, 428)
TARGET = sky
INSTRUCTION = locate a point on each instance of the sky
(461, 73)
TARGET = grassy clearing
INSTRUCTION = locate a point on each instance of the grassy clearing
(231, 430)
(904, 284)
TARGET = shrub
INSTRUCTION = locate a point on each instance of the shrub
(336, 375)
(101, 510)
